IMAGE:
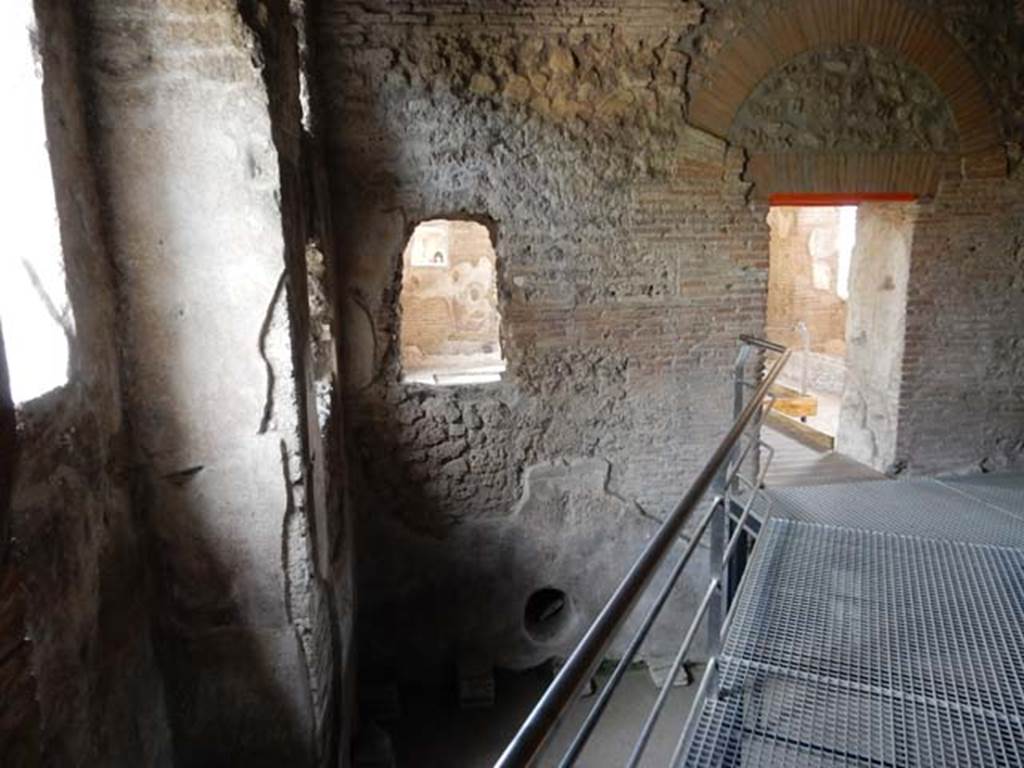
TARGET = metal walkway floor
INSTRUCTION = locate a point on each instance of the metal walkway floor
(880, 624)
(797, 464)
(984, 510)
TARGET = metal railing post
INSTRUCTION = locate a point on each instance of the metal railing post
(721, 528)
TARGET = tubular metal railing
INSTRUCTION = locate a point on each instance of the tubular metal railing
(731, 523)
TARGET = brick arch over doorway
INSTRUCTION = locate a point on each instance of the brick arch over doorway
(720, 83)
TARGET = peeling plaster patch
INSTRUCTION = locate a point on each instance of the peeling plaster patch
(576, 536)
(304, 595)
(321, 335)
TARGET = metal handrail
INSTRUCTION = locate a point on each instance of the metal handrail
(677, 663)
(771, 346)
(583, 661)
(747, 508)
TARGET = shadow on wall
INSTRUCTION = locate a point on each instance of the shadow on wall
(215, 419)
(510, 590)
(20, 727)
(7, 444)
(221, 514)
(233, 690)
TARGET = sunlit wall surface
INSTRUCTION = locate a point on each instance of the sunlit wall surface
(34, 308)
(847, 242)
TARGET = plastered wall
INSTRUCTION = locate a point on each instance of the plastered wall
(875, 332)
(201, 195)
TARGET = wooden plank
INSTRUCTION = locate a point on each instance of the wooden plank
(797, 407)
(792, 403)
(802, 433)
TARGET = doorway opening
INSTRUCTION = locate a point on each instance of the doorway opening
(837, 288)
(808, 291)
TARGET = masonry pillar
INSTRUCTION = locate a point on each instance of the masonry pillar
(876, 320)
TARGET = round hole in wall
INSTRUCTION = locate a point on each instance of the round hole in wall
(547, 614)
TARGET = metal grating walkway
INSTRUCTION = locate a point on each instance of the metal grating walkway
(850, 646)
(796, 464)
(979, 511)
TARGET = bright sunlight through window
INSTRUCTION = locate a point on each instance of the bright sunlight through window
(34, 307)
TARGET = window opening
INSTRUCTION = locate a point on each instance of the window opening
(449, 303)
(34, 306)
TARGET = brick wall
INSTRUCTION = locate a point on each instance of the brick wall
(962, 397)
(963, 263)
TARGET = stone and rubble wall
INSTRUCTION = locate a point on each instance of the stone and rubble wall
(628, 262)
(846, 97)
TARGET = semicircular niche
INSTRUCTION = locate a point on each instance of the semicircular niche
(850, 98)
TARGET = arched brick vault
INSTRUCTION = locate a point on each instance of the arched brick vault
(720, 84)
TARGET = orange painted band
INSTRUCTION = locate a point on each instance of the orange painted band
(842, 198)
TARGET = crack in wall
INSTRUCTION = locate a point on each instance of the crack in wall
(265, 328)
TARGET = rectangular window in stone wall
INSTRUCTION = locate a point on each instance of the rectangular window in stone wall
(450, 332)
